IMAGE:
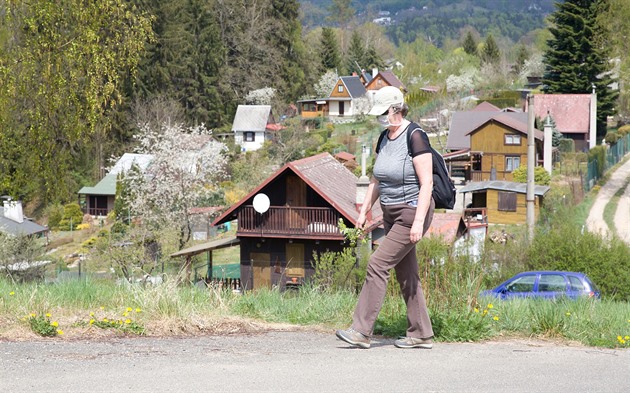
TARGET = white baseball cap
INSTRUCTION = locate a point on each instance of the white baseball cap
(384, 98)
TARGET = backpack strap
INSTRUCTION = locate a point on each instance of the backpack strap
(380, 139)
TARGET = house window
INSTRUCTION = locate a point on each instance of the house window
(511, 139)
(507, 201)
(512, 162)
(340, 88)
(248, 136)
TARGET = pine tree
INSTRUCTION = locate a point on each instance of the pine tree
(470, 45)
(372, 59)
(356, 54)
(490, 52)
(576, 60)
(329, 50)
(521, 56)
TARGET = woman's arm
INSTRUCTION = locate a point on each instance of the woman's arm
(423, 164)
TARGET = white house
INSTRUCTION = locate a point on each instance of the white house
(253, 125)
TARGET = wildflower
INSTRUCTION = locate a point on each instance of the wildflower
(102, 307)
(138, 309)
(496, 318)
(619, 338)
(476, 309)
(490, 305)
(48, 315)
(60, 332)
(33, 315)
(91, 314)
(125, 314)
(129, 309)
(127, 321)
(54, 323)
(105, 320)
(485, 311)
(11, 293)
(626, 337)
(92, 321)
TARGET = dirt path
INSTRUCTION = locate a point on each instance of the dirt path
(595, 221)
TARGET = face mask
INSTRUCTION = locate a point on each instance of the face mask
(383, 120)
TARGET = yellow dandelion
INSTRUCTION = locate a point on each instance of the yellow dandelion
(92, 321)
(92, 313)
(105, 320)
(127, 321)
(120, 322)
(54, 323)
(102, 307)
(476, 309)
(11, 293)
(125, 314)
(138, 309)
(622, 341)
(490, 305)
(626, 337)
(485, 312)
(129, 309)
(48, 315)
(32, 315)
(619, 338)
(60, 332)
(496, 318)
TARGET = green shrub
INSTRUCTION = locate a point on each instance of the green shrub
(72, 216)
(624, 130)
(55, 214)
(611, 137)
(566, 145)
(541, 176)
(598, 153)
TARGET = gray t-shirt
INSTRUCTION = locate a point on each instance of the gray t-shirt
(398, 182)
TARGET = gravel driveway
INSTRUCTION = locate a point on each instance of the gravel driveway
(292, 361)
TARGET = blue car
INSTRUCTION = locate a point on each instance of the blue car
(545, 284)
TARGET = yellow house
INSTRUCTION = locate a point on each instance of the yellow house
(504, 201)
(499, 146)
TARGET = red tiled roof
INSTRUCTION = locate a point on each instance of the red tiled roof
(570, 112)
(274, 127)
(445, 225)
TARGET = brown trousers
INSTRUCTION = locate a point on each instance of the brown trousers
(398, 252)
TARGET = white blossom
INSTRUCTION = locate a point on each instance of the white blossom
(326, 83)
(262, 96)
(187, 165)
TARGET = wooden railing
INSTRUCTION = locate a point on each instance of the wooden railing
(309, 222)
(97, 212)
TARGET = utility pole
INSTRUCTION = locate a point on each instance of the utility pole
(531, 163)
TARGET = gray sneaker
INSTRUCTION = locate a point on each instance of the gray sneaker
(412, 342)
(353, 337)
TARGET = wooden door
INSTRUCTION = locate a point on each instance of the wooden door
(296, 197)
(295, 260)
(261, 270)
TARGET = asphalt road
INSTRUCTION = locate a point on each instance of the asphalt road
(306, 362)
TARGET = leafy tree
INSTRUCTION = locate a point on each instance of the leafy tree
(72, 216)
(63, 66)
(470, 45)
(490, 52)
(541, 176)
(616, 21)
(577, 61)
(329, 50)
(326, 83)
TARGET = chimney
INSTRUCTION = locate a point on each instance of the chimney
(364, 181)
(547, 158)
(13, 211)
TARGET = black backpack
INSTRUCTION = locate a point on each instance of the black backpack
(443, 187)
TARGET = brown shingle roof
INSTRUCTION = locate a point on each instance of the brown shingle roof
(327, 177)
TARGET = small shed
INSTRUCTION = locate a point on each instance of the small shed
(504, 201)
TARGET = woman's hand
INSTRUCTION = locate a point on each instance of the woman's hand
(361, 221)
(416, 231)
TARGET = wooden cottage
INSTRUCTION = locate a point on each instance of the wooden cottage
(504, 201)
(307, 198)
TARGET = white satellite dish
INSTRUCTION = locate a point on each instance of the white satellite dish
(261, 203)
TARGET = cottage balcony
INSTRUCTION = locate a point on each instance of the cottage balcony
(290, 222)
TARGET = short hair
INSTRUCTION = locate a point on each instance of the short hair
(402, 108)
